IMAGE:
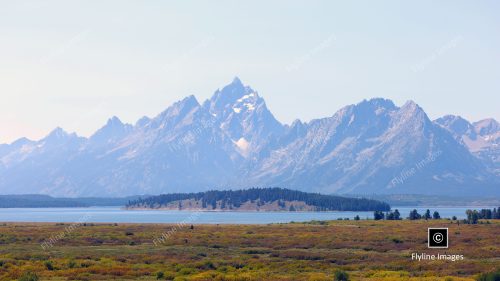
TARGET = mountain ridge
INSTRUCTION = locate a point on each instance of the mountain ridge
(232, 140)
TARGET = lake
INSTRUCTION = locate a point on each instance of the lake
(118, 215)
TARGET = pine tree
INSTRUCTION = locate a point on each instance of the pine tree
(397, 215)
(378, 215)
(472, 216)
(496, 213)
(389, 216)
(414, 215)
(436, 215)
(427, 214)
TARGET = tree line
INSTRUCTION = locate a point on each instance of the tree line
(229, 199)
(473, 216)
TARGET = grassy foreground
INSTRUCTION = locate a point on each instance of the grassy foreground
(367, 250)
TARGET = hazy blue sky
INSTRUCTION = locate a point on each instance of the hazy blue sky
(76, 63)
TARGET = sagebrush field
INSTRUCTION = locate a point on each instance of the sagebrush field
(366, 250)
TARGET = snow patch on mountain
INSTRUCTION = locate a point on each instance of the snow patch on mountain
(243, 146)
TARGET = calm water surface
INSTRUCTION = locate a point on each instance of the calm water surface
(118, 215)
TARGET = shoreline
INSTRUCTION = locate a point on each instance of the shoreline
(238, 211)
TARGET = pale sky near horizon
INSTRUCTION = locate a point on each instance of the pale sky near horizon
(74, 64)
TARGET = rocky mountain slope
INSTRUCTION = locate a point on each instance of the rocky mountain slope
(482, 138)
(232, 140)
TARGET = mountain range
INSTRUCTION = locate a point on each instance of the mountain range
(232, 140)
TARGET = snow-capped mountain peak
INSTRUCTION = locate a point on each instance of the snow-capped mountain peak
(224, 101)
(242, 113)
(247, 103)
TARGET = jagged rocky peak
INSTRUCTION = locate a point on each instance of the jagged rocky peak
(242, 114)
(297, 124)
(377, 104)
(20, 142)
(364, 113)
(451, 120)
(59, 137)
(114, 124)
(17, 144)
(188, 102)
(411, 119)
(294, 131)
(365, 108)
(460, 126)
(239, 109)
(456, 124)
(373, 107)
(143, 121)
(487, 126)
(411, 111)
(412, 106)
(178, 110)
(230, 98)
(114, 121)
(378, 116)
(58, 134)
(479, 136)
(113, 130)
